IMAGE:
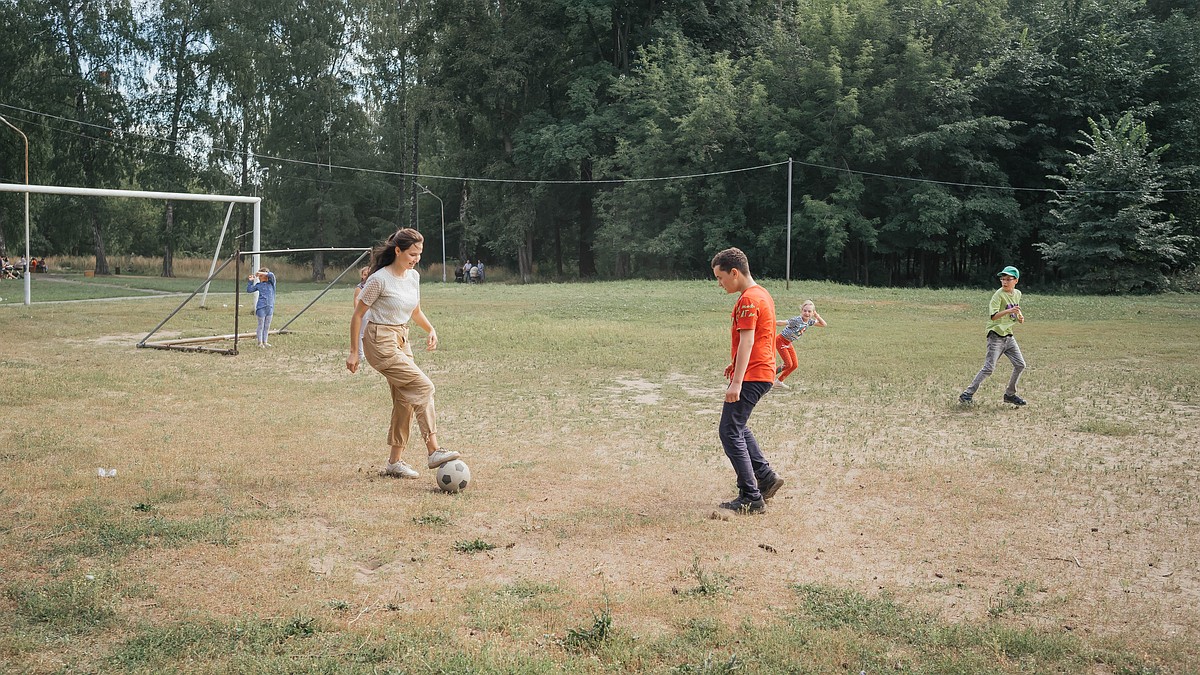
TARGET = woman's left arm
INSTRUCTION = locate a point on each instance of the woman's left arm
(431, 340)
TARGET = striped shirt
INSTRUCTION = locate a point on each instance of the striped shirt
(795, 328)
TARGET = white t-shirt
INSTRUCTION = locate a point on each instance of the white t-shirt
(391, 299)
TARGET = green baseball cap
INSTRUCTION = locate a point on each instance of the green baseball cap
(1010, 271)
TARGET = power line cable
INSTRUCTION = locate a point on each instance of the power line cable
(824, 167)
(978, 185)
(386, 172)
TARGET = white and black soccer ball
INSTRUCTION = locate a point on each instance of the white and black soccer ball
(453, 476)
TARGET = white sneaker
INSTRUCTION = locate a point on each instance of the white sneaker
(440, 457)
(401, 469)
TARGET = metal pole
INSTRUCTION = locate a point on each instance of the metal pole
(788, 283)
(256, 261)
(237, 287)
(427, 191)
(220, 240)
(27, 258)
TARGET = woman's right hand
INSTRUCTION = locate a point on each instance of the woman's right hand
(352, 362)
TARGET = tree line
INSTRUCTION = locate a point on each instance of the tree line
(929, 142)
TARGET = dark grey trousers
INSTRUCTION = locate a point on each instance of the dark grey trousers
(997, 346)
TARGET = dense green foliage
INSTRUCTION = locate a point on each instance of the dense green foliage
(932, 141)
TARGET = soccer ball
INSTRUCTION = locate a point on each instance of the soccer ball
(453, 476)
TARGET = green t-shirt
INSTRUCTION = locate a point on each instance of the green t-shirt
(1002, 301)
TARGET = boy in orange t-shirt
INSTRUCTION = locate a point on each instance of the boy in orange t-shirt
(750, 375)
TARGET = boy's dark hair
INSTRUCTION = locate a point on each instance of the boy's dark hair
(732, 259)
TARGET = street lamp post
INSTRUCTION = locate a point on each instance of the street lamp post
(27, 258)
(425, 190)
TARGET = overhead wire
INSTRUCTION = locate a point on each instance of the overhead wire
(532, 181)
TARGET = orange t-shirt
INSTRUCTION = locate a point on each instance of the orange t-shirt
(756, 310)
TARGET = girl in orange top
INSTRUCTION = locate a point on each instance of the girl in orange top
(794, 328)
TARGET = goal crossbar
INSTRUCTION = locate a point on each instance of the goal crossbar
(255, 202)
(112, 192)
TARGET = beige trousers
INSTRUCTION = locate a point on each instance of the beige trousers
(387, 350)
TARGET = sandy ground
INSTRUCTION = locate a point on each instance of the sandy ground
(1052, 535)
(1078, 513)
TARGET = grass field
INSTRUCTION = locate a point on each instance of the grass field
(248, 529)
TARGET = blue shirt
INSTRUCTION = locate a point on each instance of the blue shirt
(795, 328)
(266, 292)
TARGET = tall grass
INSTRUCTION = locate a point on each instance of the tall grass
(284, 269)
(188, 268)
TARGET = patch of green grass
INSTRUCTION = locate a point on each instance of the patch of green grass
(473, 546)
(300, 644)
(432, 519)
(155, 647)
(1106, 428)
(97, 528)
(829, 607)
(828, 630)
(526, 590)
(882, 633)
(701, 631)
(590, 638)
(713, 665)
(71, 606)
(708, 584)
(1014, 599)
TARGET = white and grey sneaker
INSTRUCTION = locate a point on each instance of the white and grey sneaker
(440, 457)
(400, 469)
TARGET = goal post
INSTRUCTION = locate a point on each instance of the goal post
(255, 202)
(255, 254)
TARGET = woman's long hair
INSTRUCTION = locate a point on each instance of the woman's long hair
(385, 253)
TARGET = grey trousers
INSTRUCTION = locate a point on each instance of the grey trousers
(995, 347)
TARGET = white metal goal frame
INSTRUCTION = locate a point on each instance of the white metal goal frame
(255, 202)
(199, 343)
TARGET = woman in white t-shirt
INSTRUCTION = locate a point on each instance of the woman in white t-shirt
(390, 299)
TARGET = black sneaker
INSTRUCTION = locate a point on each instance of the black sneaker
(1014, 399)
(745, 506)
(769, 486)
(965, 398)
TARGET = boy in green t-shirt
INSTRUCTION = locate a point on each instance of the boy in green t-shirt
(1005, 311)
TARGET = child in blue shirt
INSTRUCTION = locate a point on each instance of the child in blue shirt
(263, 282)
